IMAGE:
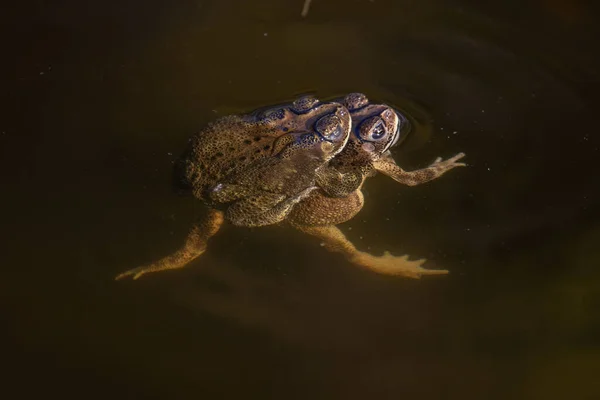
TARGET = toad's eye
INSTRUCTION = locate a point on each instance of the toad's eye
(373, 129)
(330, 127)
(378, 131)
(304, 104)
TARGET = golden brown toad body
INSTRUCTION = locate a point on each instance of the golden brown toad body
(375, 129)
(252, 169)
(265, 191)
(232, 143)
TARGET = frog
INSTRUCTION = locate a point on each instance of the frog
(264, 192)
(252, 169)
(376, 128)
(233, 142)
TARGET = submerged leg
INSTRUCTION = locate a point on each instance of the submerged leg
(195, 245)
(388, 166)
(335, 240)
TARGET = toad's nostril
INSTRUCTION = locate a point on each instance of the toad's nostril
(368, 147)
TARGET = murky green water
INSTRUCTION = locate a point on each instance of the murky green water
(98, 101)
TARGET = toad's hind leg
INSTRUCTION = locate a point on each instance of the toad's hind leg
(195, 245)
(335, 240)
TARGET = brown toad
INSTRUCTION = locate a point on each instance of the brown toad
(376, 128)
(264, 192)
(252, 169)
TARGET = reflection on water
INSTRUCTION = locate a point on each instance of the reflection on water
(102, 98)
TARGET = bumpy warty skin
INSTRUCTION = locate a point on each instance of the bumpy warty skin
(263, 160)
(224, 147)
(265, 191)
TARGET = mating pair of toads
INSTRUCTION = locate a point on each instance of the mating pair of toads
(303, 163)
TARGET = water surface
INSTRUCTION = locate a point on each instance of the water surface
(100, 98)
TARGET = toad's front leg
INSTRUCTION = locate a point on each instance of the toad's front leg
(195, 245)
(387, 166)
(335, 240)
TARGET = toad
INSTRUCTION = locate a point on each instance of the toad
(252, 169)
(375, 129)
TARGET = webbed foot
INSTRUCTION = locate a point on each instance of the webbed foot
(387, 264)
(195, 244)
(136, 273)
(442, 166)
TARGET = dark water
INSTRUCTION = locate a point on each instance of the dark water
(98, 99)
